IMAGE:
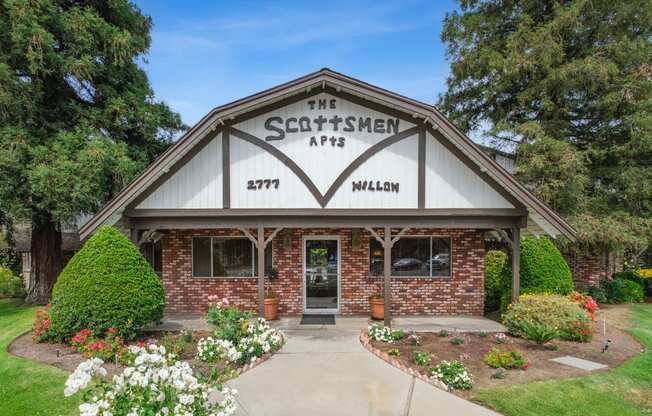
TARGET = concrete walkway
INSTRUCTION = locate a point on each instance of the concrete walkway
(324, 370)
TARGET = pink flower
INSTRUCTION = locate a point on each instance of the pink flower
(225, 301)
(213, 298)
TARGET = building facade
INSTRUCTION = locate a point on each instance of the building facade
(326, 190)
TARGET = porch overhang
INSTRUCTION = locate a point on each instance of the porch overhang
(162, 219)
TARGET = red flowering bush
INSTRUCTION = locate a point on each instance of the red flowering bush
(586, 302)
(579, 331)
(108, 348)
(41, 326)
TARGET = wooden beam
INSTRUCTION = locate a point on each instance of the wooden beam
(226, 168)
(249, 236)
(421, 173)
(375, 235)
(271, 237)
(387, 266)
(133, 235)
(261, 270)
(399, 235)
(516, 263)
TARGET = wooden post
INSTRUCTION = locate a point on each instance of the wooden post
(387, 266)
(260, 246)
(516, 263)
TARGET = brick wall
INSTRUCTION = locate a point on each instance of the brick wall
(463, 293)
(588, 270)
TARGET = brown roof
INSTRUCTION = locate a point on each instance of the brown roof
(22, 235)
(321, 79)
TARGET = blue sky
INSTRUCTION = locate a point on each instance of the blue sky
(207, 53)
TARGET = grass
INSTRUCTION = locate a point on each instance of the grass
(623, 391)
(27, 387)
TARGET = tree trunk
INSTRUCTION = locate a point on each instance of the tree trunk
(46, 258)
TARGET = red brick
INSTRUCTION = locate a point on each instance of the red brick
(460, 294)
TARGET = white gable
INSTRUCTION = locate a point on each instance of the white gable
(452, 184)
(322, 136)
(198, 184)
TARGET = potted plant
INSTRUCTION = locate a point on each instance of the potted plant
(377, 303)
(270, 304)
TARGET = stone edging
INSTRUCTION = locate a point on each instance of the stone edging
(366, 342)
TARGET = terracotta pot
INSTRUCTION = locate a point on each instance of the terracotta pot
(377, 308)
(271, 309)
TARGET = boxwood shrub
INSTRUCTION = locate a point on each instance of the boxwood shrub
(543, 270)
(495, 262)
(106, 284)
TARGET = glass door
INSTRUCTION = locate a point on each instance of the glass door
(322, 270)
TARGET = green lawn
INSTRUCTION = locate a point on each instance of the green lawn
(624, 391)
(27, 387)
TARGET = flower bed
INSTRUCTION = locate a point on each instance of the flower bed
(528, 360)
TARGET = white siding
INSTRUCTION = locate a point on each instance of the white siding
(250, 162)
(198, 184)
(451, 184)
(397, 163)
(322, 163)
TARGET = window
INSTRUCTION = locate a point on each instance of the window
(227, 257)
(152, 252)
(413, 256)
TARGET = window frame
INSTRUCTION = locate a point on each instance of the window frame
(253, 256)
(430, 237)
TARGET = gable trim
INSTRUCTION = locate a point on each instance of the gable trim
(342, 86)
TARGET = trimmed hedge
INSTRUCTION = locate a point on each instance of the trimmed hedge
(11, 285)
(543, 270)
(107, 284)
(495, 262)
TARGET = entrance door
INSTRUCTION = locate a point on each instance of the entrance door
(321, 259)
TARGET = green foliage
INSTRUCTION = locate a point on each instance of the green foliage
(553, 312)
(539, 333)
(421, 358)
(78, 117)
(444, 333)
(597, 292)
(543, 270)
(457, 340)
(604, 393)
(394, 352)
(621, 290)
(106, 284)
(453, 374)
(398, 334)
(175, 344)
(495, 263)
(10, 260)
(230, 322)
(568, 84)
(11, 285)
(497, 358)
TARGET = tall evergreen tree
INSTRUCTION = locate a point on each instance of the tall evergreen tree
(571, 83)
(78, 118)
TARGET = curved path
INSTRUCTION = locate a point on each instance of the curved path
(326, 371)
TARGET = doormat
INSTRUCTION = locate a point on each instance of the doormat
(318, 320)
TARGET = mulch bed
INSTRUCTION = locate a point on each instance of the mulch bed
(472, 352)
(67, 358)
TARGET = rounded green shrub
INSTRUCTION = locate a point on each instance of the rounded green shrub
(621, 290)
(495, 262)
(107, 284)
(543, 270)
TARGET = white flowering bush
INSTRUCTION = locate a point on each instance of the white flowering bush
(211, 350)
(155, 384)
(453, 374)
(378, 332)
(250, 337)
(259, 339)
